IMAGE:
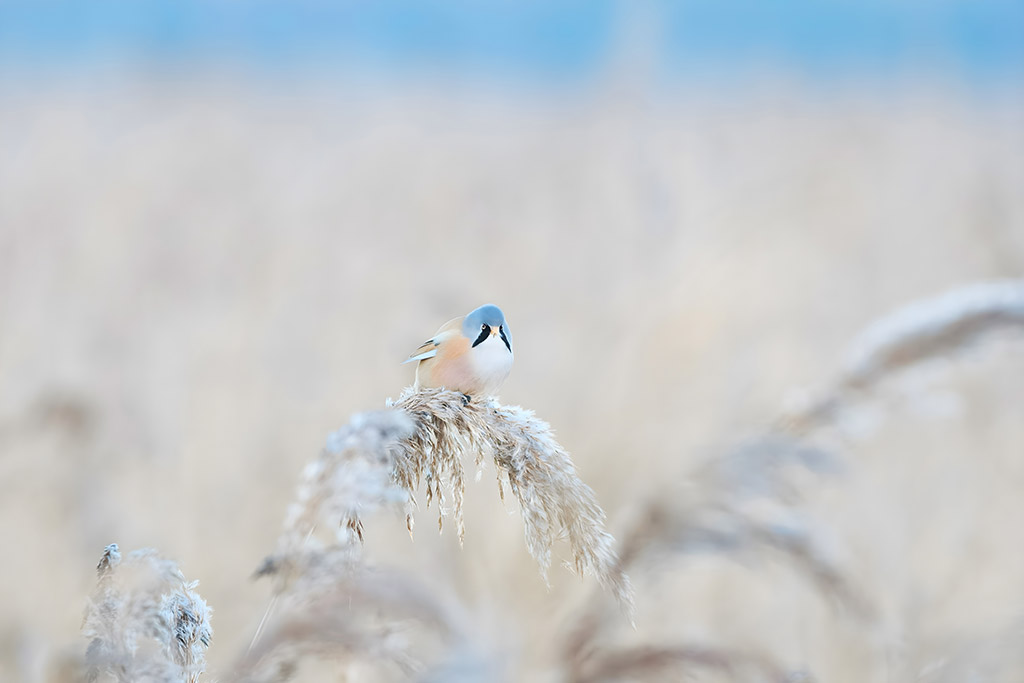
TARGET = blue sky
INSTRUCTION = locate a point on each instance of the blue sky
(974, 39)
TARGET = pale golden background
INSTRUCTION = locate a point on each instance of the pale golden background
(203, 275)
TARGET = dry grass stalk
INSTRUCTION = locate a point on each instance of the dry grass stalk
(745, 502)
(741, 504)
(992, 654)
(591, 654)
(919, 332)
(374, 616)
(554, 501)
(730, 531)
(738, 505)
(145, 622)
(672, 662)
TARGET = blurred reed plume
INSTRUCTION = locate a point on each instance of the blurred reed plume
(145, 621)
(921, 331)
(742, 505)
(352, 477)
(748, 496)
(747, 499)
(390, 620)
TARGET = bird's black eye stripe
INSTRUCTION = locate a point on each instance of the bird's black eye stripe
(485, 332)
(501, 331)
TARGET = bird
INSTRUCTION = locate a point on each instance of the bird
(471, 354)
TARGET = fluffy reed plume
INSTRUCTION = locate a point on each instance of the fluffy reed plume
(145, 621)
(553, 500)
(382, 457)
(921, 331)
(334, 605)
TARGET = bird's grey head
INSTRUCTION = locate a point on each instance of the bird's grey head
(485, 321)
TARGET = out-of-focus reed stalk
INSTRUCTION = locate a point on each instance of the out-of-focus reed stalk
(390, 619)
(352, 478)
(738, 505)
(714, 512)
(916, 333)
(665, 662)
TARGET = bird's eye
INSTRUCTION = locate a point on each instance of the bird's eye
(484, 326)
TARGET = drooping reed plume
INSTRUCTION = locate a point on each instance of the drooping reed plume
(383, 457)
(923, 330)
(715, 514)
(553, 500)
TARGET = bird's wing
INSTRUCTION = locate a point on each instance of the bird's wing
(428, 349)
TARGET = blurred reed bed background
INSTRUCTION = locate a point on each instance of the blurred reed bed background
(206, 269)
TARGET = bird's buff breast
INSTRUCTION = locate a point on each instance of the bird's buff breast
(457, 366)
